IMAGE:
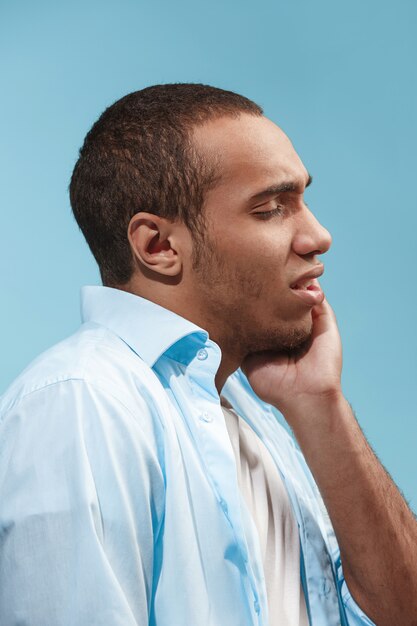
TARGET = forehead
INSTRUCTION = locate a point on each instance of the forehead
(252, 151)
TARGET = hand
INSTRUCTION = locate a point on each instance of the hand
(296, 381)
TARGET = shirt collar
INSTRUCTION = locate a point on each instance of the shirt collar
(148, 328)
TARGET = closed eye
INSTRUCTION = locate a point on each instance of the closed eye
(267, 214)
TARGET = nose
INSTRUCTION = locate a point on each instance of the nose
(311, 237)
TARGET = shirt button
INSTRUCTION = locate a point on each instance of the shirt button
(202, 354)
(206, 417)
(256, 606)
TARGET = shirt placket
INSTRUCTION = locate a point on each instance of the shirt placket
(210, 433)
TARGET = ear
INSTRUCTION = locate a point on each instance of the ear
(152, 242)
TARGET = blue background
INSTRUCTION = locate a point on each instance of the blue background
(338, 77)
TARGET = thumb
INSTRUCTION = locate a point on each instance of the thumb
(254, 360)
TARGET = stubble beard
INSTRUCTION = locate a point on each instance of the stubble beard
(241, 335)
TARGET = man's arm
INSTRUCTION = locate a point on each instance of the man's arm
(81, 491)
(375, 529)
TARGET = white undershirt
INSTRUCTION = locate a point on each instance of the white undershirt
(267, 500)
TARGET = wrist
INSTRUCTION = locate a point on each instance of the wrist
(322, 423)
(307, 401)
(307, 409)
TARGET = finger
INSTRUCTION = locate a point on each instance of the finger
(323, 309)
(323, 318)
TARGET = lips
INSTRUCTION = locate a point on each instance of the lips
(307, 287)
(308, 279)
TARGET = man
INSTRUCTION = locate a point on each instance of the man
(145, 477)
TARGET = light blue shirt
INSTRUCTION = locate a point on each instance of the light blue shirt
(119, 501)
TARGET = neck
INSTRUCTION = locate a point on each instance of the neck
(225, 402)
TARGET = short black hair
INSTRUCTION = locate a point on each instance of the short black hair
(138, 156)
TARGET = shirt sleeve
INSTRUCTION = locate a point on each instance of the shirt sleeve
(82, 497)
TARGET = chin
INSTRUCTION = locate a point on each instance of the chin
(299, 347)
(297, 340)
(297, 335)
(279, 334)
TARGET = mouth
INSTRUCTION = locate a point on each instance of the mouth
(310, 285)
(309, 291)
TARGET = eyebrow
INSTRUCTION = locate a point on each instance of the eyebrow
(273, 190)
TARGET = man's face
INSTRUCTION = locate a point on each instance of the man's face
(243, 272)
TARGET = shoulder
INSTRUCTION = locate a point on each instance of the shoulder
(93, 355)
(80, 436)
(91, 375)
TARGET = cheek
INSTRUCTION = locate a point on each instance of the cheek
(259, 250)
(269, 261)
(259, 278)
